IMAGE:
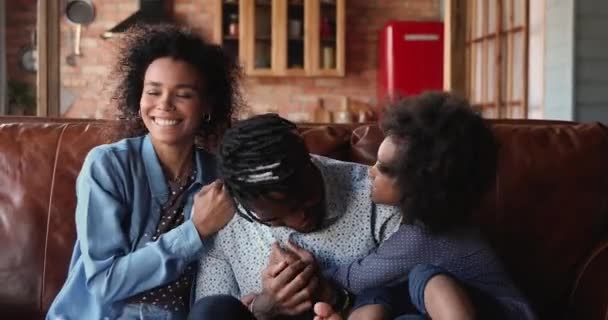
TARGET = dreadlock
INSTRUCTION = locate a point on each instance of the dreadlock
(260, 155)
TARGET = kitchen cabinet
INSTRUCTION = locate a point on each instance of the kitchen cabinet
(284, 37)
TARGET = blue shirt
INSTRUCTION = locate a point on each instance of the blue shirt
(120, 190)
(462, 252)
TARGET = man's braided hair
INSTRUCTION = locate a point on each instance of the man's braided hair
(259, 156)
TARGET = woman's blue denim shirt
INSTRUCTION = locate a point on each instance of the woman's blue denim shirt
(120, 190)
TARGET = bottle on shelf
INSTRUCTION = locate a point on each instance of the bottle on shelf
(233, 25)
(295, 29)
(343, 115)
(329, 60)
(321, 114)
(326, 32)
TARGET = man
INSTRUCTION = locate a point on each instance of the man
(284, 197)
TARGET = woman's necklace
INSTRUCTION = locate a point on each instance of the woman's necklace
(183, 177)
(186, 173)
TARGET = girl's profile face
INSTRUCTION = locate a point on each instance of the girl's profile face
(383, 174)
(172, 108)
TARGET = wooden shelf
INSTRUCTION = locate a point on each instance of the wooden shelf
(293, 72)
(283, 50)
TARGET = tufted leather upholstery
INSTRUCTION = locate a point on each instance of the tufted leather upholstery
(547, 214)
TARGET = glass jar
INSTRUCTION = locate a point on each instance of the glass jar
(329, 57)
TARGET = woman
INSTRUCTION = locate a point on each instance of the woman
(141, 212)
(436, 162)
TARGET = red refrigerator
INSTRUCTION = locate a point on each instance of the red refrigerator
(410, 59)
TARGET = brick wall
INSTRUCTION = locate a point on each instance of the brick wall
(85, 93)
(85, 85)
(364, 18)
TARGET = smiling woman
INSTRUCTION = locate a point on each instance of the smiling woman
(216, 76)
(171, 105)
(146, 202)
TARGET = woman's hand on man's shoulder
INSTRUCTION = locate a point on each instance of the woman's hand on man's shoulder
(212, 210)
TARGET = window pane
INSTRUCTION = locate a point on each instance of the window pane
(517, 112)
(491, 16)
(477, 79)
(536, 59)
(491, 75)
(504, 70)
(479, 17)
(489, 112)
(518, 66)
(519, 12)
(506, 14)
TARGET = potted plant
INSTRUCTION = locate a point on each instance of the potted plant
(21, 98)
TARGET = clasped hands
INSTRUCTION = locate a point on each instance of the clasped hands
(291, 284)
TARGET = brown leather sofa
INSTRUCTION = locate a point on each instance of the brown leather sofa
(547, 216)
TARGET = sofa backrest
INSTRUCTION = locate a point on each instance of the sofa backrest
(546, 212)
(39, 162)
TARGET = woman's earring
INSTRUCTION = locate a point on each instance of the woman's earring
(207, 117)
(138, 114)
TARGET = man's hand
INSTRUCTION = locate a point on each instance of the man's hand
(278, 254)
(326, 291)
(212, 209)
(300, 253)
(248, 299)
(287, 290)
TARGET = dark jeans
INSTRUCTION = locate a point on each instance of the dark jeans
(219, 307)
(227, 307)
(395, 299)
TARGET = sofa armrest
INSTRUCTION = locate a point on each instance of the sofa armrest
(589, 296)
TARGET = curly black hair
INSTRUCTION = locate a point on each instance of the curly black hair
(447, 158)
(142, 44)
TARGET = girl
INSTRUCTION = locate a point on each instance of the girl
(437, 160)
